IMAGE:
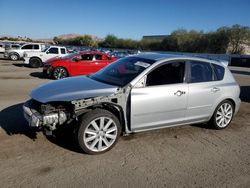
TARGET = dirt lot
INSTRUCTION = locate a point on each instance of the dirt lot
(188, 156)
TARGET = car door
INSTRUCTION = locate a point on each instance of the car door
(163, 100)
(203, 91)
(51, 52)
(99, 62)
(84, 65)
(26, 48)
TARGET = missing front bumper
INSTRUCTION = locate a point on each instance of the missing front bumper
(35, 119)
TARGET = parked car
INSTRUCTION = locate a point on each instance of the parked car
(18, 53)
(12, 46)
(36, 59)
(2, 48)
(81, 63)
(134, 94)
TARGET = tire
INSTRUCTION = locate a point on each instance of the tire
(35, 62)
(59, 73)
(95, 137)
(223, 115)
(14, 57)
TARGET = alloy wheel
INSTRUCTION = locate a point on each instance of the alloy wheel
(100, 134)
(224, 115)
(60, 73)
(13, 57)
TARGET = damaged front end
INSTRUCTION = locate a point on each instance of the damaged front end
(50, 116)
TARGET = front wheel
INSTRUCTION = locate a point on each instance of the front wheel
(59, 73)
(223, 115)
(14, 57)
(98, 132)
(35, 62)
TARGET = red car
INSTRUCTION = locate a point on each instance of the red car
(81, 63)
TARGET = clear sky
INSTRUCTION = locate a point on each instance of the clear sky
(124, 18)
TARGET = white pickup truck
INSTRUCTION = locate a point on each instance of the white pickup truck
(36, 59)
(16, 54)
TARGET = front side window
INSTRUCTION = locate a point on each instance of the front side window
(53, 51)
(27, 47)
(87, 57)
(201, 72)
(170, 73)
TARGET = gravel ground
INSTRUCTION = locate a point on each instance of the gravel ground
(188, 156)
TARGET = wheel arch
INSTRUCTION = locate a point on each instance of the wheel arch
(220, 101)
(35, 57)
(61, 66)
(15, 54)
(113, 108)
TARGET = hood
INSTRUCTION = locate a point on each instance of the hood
(73, 88)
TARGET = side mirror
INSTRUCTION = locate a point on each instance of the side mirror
(77, 59)
(47, 52)
(141, 83)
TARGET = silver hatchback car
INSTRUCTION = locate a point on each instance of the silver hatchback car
(136, 93)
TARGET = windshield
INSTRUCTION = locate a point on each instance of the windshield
(69, 56)
(122, 71)
(45, 49)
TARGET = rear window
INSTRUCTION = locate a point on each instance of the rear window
(219, 71)
(36, 47)
(63, 51)
(27, 47)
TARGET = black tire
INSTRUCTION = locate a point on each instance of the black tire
(35, 62)
(85, 125)
(14, 57)
(59, 73)
(224, 118)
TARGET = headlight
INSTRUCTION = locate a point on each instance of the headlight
(56, 118)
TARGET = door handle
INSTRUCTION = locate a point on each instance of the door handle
(215, 89)
(179, 93)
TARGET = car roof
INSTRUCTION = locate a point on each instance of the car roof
(91, 52)
(156, 56)
(164, 56)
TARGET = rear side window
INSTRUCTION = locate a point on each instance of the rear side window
(27, 47)
(201, 72)
(98, 57)
(63, 51)
(171, 73)
(219, 71)
(36, 47)
(53, 51)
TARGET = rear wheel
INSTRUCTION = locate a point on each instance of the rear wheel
(35, 62)
(223, 115)
(59, 73)
(14, 57)
(99, 131)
